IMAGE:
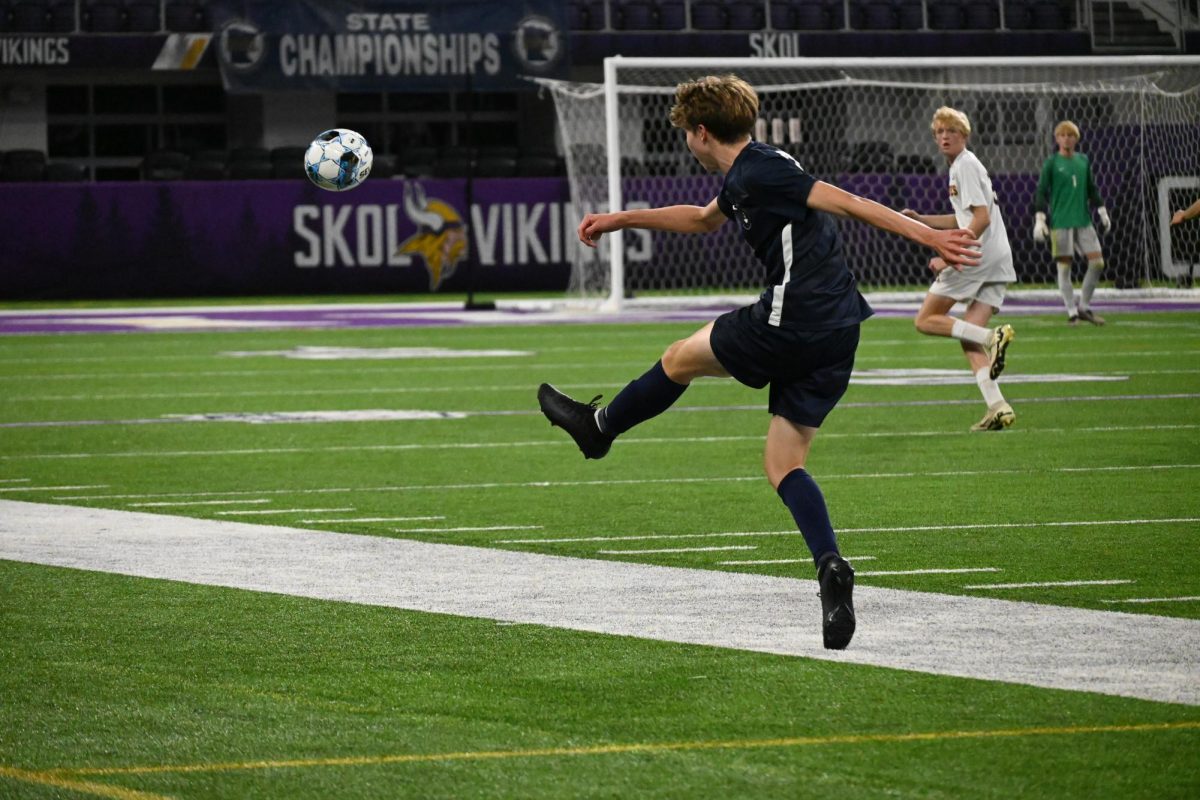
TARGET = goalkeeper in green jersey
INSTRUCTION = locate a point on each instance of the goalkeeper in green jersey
(1067, 185)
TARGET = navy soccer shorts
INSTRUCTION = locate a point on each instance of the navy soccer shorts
(808, 371)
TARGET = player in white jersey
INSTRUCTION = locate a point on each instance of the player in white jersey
(982, 287)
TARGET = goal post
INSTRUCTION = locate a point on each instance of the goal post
(863, 124)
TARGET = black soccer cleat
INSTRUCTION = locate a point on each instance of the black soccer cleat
(836, 578)
(576, 418)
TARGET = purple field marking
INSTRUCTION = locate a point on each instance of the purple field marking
(444, 314)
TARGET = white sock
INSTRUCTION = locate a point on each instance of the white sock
(1095, 270)
(989, 388)
(1065, 288)
(970, 332)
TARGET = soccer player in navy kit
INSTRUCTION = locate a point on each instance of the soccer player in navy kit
(799, 337)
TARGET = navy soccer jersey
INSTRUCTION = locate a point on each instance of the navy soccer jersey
(809, 286)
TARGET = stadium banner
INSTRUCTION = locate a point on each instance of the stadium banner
(384, 45)
(173, 51)
(201, 238)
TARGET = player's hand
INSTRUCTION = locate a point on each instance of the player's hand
(593, 225)
(1040, 229)
(1177, 217)
(908, 212)
(958, 248)
(1105, 222)
(938, 264)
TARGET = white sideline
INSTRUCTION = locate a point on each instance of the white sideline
(1116, 653)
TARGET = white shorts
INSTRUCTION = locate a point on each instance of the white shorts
(1066, 241)
(963, 288)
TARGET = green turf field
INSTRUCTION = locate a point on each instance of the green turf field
(126, 687)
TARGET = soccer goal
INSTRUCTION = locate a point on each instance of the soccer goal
(863, 124)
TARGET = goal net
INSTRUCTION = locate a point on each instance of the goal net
(863, 125)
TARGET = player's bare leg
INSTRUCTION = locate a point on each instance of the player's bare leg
(999, 414)
(1095, 269)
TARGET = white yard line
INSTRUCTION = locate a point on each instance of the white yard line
(852, 559)
(364, 519)
(199, 503)
(938, 571)
(444, 487)
(1130, 655)
(15, 480)
(885, 529)
(560, 442)
(268, 511)
(470, 529)
(676, 550)
(52, 488)
(1047, 584)
(1187, 599)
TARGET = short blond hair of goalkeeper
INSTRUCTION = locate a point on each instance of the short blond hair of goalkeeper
(1066, 126)
(725, 105)
(951, 119)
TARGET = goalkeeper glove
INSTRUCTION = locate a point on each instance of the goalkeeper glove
(1105, 222)
(1040, 229)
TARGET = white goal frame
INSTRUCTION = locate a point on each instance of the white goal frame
(613, 66)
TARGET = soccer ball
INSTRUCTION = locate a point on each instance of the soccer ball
(338, 160)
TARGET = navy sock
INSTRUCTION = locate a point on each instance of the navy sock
(641, 399)
(803, 497)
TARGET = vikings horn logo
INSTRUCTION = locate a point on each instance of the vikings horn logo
(440, 240)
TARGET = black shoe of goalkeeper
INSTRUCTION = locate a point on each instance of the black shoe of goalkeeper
(836, 578)
(576, 418)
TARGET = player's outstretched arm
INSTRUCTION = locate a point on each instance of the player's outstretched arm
(940, 221)
(1186, 213)
(956, 247)
(679, 219)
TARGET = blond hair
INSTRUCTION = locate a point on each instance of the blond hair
(1066, 126)
(952, 119)
(724, 104)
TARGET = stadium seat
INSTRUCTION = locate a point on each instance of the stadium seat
(383, 167)
(809, 16)
(289, 156)
(945, 16)
(63, 17)
(910, 15)
(452, 166)
(835, 11)
(1017, 15)
(184, 16)
(981, 16)
(100, 16)
(164, 165)
(1047, 17)
(142, 17)
(875, 16)
(538, 166)
(23, 172)
(671, 15)
(496, 167)
(65, 172)
(418, 161)
(708, 15)
(209, 170)
(249, 154)
(251, 170)
(783, 16)
(29, 16)
(636, 15)
(24, 156)
(744, 15)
